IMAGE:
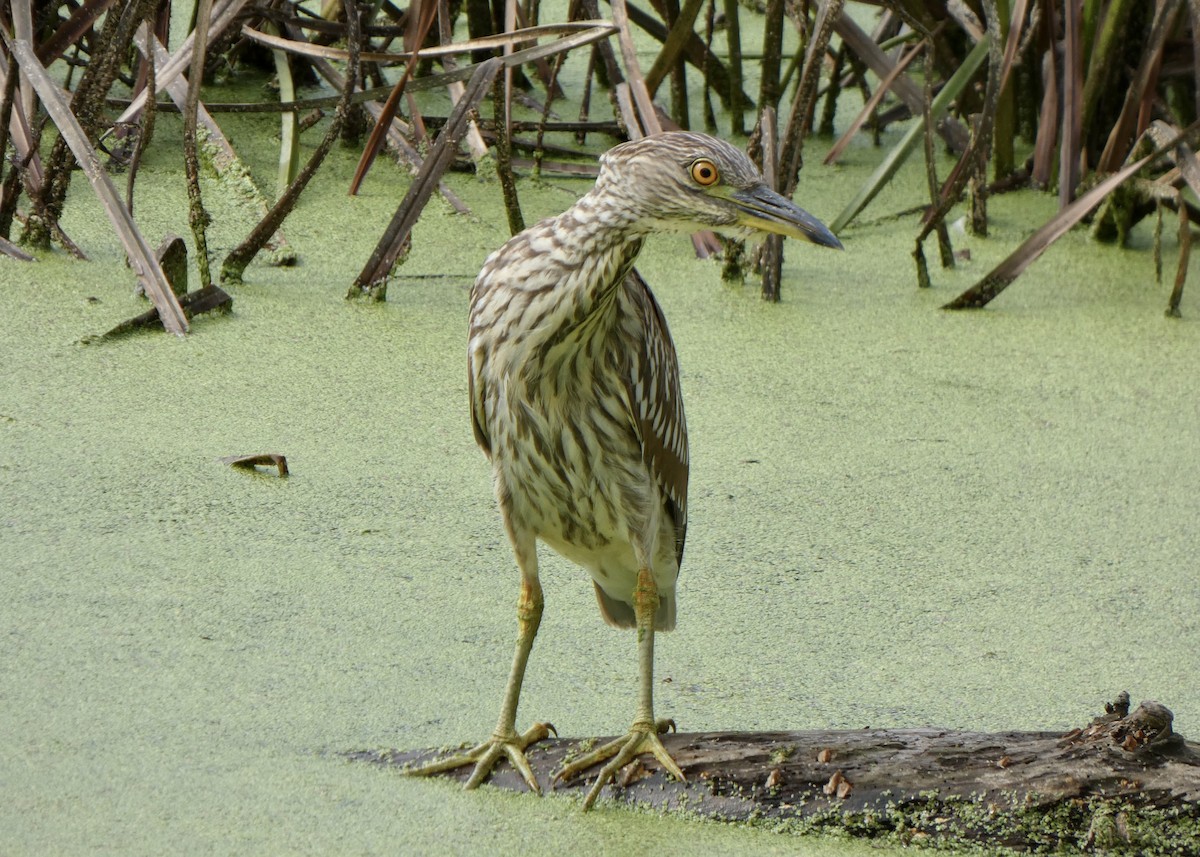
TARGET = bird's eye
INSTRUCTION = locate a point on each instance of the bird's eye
(704, 172)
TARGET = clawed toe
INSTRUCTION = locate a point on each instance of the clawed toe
(640, 741)
(485, 756)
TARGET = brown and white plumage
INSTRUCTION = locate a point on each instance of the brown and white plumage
(575, 399)
(580, 411)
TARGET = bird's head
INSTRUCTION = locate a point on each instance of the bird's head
(685, 181)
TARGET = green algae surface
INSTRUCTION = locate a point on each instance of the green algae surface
(899, 517)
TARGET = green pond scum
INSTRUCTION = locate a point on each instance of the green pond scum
(899, 517)
(965, 826)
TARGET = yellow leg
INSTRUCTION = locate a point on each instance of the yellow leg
(505, 740)
(643, 734)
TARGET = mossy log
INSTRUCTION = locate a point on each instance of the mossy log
(1124, 784)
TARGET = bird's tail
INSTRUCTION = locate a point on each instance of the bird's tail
(620, 613)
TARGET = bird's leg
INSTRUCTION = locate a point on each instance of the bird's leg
(505, 740)
(643, 734)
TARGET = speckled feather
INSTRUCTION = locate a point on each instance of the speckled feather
(575, 392)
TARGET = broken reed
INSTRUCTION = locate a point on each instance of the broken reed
(1078, 81)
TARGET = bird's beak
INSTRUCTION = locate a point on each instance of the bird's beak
(761, 208)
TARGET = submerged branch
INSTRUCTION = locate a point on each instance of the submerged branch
(235, 263)
(141, 259)
(198, 218)
(1003, 275)
(372, 279)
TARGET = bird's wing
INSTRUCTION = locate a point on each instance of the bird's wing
(475, 360)
(478, 419)
(658, 407)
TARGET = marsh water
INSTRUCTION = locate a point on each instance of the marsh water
(898, 517)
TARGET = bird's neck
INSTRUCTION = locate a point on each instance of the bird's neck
(600, 238)
(555, 287)
(606, 215)
(595, 248)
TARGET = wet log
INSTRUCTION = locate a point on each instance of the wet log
(1125, 783)
(207, 299)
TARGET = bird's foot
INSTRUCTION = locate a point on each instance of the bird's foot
(485, 756)
(642, 739)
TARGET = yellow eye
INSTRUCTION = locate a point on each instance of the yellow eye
(704, 172)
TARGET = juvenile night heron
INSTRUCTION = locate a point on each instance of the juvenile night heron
(575, 399)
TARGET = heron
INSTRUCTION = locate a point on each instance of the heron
(575, 399)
